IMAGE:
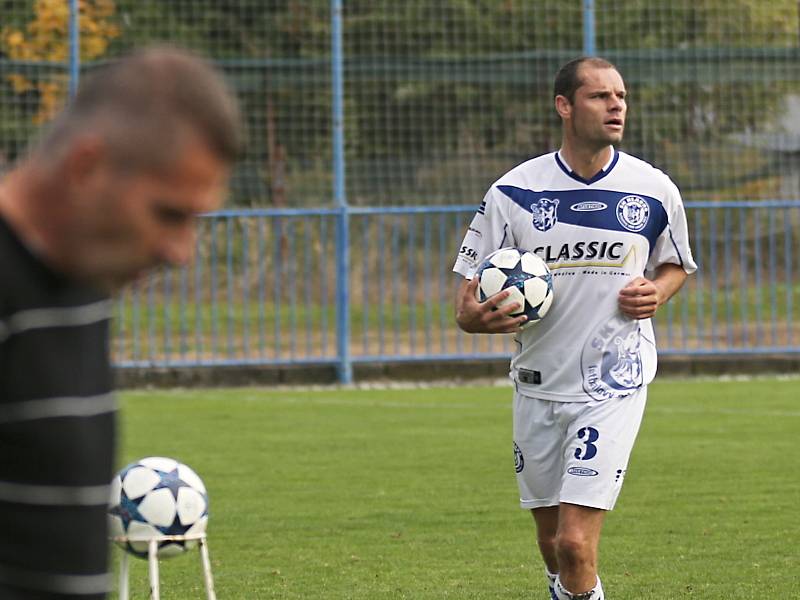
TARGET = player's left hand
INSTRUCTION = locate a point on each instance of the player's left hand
(639, 299)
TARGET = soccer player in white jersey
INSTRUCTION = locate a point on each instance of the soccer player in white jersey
(612, 229)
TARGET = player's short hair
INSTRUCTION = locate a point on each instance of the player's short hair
(145, 104)
(568, 79)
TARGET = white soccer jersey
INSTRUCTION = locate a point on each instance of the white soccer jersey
(596, 236)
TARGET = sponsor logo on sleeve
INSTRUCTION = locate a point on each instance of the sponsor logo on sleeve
(468, 254)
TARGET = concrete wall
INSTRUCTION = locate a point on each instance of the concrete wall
(673, 366)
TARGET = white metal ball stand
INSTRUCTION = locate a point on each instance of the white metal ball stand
(152, 559)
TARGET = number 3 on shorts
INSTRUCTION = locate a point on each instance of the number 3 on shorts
(590, 450)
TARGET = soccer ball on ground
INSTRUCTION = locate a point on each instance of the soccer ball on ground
(154, 497)
(526, 274)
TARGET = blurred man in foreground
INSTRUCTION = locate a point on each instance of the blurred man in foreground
(111, 190)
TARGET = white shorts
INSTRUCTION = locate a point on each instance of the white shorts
(574, 452)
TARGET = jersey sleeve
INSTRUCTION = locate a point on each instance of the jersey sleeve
(672, 246)
(488, 231)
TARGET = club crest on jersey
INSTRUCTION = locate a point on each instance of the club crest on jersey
(544, 213)
(611, 363)
(633, 213)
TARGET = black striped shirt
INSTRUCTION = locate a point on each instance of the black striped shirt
(57, 431)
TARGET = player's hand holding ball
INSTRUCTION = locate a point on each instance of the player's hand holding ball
(511, 289)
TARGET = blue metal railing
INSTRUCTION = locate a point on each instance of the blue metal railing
(265, 288)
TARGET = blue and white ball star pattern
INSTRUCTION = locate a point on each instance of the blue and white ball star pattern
(525, 274)
(157, 496)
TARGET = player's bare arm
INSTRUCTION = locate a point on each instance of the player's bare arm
(641, 298)
(485, 317)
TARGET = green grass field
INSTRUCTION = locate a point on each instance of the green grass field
(389, 494)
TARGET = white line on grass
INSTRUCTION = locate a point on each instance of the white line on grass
(368, 403)
(723, 411)
(504, 406)
(338, 387)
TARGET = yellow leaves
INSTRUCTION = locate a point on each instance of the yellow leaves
(51, 94)
(19, 83)
(14, 39)
(51, 16)
(46, 38)
(94, 46)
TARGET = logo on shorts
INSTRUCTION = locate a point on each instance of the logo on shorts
(611, 363)
(633, 213)
(519, 462)
(582, 472)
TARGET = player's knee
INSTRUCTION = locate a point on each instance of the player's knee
(574, 547)
(546, 542)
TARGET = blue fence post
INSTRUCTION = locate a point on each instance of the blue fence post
(340, 198)
(74, 47)
(589, 31)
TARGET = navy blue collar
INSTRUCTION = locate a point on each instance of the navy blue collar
(597, 177)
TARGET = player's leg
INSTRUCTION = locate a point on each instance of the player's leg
(598, 445)
(538, 442)
(546, 519)
(577, 542)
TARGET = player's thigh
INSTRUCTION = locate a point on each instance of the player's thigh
(538, 440)
(598, 446)
(582, 523)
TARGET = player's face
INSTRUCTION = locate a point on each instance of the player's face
(596, 117)
(124, 224)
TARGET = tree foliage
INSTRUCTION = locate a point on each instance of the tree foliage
(45, 39)
(441, 97)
